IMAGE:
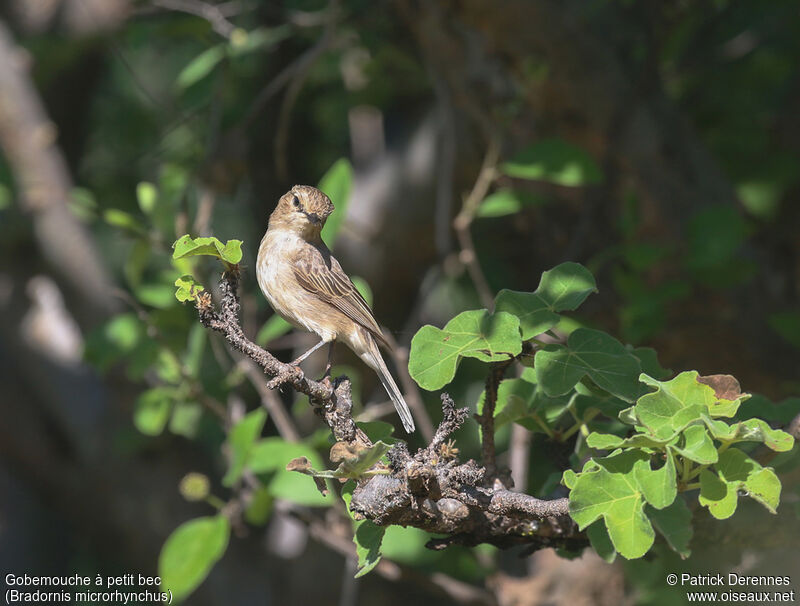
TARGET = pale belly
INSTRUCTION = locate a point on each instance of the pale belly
(289, 300)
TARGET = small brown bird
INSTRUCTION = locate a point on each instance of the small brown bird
(307, 287)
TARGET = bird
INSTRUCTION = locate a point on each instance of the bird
(307, 287)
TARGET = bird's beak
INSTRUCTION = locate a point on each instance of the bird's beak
(314, 218)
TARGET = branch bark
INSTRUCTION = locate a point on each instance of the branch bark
(430, 489)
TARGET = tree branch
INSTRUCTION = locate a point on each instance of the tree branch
(431, 489)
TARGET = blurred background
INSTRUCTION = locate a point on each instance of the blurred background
(468, 146)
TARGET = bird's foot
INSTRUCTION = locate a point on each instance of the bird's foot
(287, 374)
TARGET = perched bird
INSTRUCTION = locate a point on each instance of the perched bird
(307, 287)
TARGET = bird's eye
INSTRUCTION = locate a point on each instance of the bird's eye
(296, 201)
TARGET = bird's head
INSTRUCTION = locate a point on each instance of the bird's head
(303, 209)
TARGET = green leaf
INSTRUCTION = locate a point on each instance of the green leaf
(187, 288)
(756, 430)
(336, 183)
(500, 204)
(556, 161)
(435, 354)
(563, 288)
(271, 455)
(241, 441)
(675, 525)
(658, 486)
(186, 246)
(259, 508)
(649, 359)
(589, 353)
(147, 197)
(597, 534)
(298, 489)
(787, 325)
(698, 445)
(737, 472)
(368, 537)
(201, 66)
(610, 491)
(185, 418)
(153, 409)
(716, 494)
(190, 552)
(121, 219)
(273, 328)
(352, 465)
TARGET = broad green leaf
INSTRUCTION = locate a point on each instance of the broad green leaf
(675, 525)
(185, 418)
(597, 534)
(568, 478)
(271, 455)
(186, 246)
(756, 430)
(241, 441)
(259, 508)
(298, 489)
(687, 389)
(716, 494)
(376, 430)
(435, 353)
(499, 204)
(659, 487)
(352, 465)
(368, 537)
(612, 492)
(556, 161)
(649, 359)
(698, 445)
(604, 441)
(190, 552)
(199, 67)
(336, 183)
(736, 472)
(187, 288)
(147, 197)
(157, 294)
(407, 546)
(153, 409)
(273, 328)
(589, 353)
(123, 220)
(562, 288)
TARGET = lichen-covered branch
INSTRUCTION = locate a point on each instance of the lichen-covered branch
(430, 489)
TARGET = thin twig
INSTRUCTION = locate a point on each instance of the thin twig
(298, 78)
(210, 12)
(466, 215)
(486, 418)
(299, 65)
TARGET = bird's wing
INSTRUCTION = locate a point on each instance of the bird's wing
(320, 274)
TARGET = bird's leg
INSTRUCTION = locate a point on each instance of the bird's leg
(308, 353)
(326, 378)
(330, 361)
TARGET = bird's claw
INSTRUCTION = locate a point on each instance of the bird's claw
(286, 375)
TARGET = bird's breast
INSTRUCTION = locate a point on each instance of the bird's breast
(276, 278)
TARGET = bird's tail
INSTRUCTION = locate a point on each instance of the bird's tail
(396, 396)
(375, 360)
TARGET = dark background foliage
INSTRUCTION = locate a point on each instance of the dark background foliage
(686, 110)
